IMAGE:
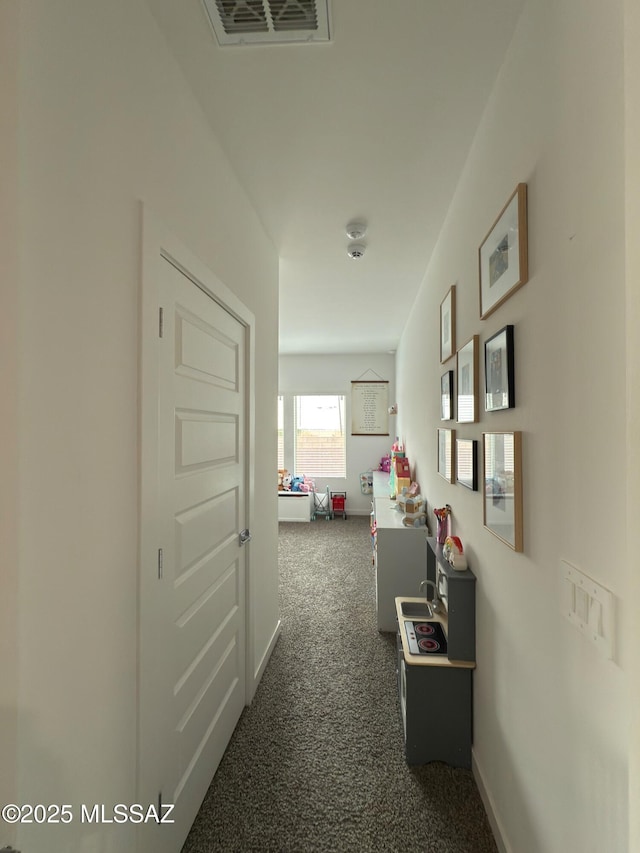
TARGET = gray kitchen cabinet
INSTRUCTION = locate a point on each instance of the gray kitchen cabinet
(436, 707)
(436, 659)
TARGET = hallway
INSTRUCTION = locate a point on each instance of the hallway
(316, 764)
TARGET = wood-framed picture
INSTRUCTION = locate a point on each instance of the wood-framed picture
(503, 254)
(446, 453)
(467, 463)
(448, 325)
(446, 396)
(467, 370)
(370, 407)
(502, 486)
(499, 371)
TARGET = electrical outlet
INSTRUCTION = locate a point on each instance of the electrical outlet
(589, 606)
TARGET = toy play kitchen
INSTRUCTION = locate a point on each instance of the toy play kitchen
(436, 657)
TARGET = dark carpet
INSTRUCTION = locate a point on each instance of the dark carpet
(316, 764)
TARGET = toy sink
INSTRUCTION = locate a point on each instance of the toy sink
(416, 609)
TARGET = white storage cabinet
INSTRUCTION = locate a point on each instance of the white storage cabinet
(294, 506)
(380, 485)
(400, 560)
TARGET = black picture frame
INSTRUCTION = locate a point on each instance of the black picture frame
(446, 396)
(499, 371)
(467, 463)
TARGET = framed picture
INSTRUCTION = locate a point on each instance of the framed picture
(467, 381)
(446, 442)
(503, 254)
(370, 407)
(467, 463)
(502, 486)
(446, 396)
(499, 382)
(448, 325)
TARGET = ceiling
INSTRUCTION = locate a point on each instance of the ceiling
(374, 125)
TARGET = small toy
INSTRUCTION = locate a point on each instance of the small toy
(338, 501)
(407, 493)
(453, 553)
(414, 510)
(321, 505)
(419, 520)
(402, 474)
(442, 517)
(307, 485)
(366, 483)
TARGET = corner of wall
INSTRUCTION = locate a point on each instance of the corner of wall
(10, 424)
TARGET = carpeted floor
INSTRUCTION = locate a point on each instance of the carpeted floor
(316, 764)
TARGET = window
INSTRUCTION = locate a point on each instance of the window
(320, 436)
(280, 433)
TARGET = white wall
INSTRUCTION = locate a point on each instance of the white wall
(551, 714)
(9, 381)
(106, 121)
(333, 374)
(632, 181)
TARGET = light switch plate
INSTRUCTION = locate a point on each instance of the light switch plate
(589, 606)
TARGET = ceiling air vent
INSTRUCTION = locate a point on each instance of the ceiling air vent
(242, 22)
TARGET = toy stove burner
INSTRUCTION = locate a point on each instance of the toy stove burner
(428, 645)
(425, 638)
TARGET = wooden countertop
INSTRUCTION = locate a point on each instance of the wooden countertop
(426, 660)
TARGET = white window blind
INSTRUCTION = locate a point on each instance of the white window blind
(320, 436)
(280, 433)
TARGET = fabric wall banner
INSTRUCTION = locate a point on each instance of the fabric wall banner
(369, 408)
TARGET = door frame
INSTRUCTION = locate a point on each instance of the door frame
(159, 246)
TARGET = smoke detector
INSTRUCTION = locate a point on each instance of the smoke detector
(356, 230)
(355, 251)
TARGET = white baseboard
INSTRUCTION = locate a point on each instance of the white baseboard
(494, 820)
(265, 658)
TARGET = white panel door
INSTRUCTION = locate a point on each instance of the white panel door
(192, 667)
